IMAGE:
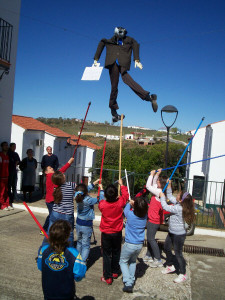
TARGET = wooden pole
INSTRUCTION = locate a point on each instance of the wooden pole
(103, 156)
(120, 154)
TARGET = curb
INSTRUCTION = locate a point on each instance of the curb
(97, 220)
(42, 210)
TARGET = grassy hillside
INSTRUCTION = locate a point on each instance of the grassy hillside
(72, 126)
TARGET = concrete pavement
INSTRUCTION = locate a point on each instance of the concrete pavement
(20, 279)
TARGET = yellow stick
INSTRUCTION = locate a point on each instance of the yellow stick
(120, 157)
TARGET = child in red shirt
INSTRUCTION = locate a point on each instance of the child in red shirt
(155, 184)
(49, 199)
(111, 227)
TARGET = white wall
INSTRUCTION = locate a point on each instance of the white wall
(216, 171)
(129, 136)
(48, 141)
(89, 162)
(7, 82)
(17, 137)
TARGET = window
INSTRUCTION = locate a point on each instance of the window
(198, 187)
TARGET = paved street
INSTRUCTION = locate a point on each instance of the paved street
(20, 279)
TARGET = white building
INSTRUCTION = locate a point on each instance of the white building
(84, 159)
(207, 178)
(129, 136)
(9, 26)
(31, 133)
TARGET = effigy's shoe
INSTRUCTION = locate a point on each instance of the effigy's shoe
(152, 98)
(117, 118)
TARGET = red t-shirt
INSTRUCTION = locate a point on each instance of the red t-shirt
(112, 213)
(155, 211)
(4, 165)
(50, 186)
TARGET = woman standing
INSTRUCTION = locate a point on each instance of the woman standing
(28, 166)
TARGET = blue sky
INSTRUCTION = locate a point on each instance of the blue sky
(182, 46)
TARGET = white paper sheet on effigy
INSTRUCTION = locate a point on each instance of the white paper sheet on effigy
(92, 73)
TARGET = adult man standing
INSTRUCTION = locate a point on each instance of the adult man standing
(51, 160)
(14, 161)
(4, 174)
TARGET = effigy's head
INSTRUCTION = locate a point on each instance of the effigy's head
(120, 32)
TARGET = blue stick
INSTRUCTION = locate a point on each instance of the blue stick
(183, 154)
(193, 162)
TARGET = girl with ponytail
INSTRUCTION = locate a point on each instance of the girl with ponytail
(182, 212)
(63, 207)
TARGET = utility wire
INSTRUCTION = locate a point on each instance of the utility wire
(97, 39)
(53, 25)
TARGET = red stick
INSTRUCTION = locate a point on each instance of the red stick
(35, 219)
(103, 156)
(81, 130)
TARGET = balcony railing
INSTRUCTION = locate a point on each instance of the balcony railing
(5, 44)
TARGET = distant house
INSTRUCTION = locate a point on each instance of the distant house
(139, 127)
(162, 129)
(129, 136)
(138, 135)
(109, 136)
(28, 132)
(146, 141)
(207, 178)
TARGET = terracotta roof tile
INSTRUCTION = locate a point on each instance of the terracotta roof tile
(33, 124)
(73, 141)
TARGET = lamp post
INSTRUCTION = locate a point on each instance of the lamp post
(168, 109)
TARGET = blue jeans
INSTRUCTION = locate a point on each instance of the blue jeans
(58, 216)
(50, 207)
(83, 240)
(128, 258)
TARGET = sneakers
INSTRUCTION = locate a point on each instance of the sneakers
(181, 278)
(115, 275)
(152, 98)
(128, 289)
(147, 259)
(168, 269)
(117, 118)
(156, 264)
(41, 232)
(10, 208)
(6, 208)
(108, 281)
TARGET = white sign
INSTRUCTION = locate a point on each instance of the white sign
(92, 73)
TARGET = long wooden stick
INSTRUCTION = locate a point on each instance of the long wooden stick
(103, 156)
(120, 154)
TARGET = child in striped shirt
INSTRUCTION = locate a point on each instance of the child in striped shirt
(63, 208)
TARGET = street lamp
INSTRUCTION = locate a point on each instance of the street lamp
(168, 109)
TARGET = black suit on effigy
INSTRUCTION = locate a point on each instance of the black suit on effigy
(118, 60)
